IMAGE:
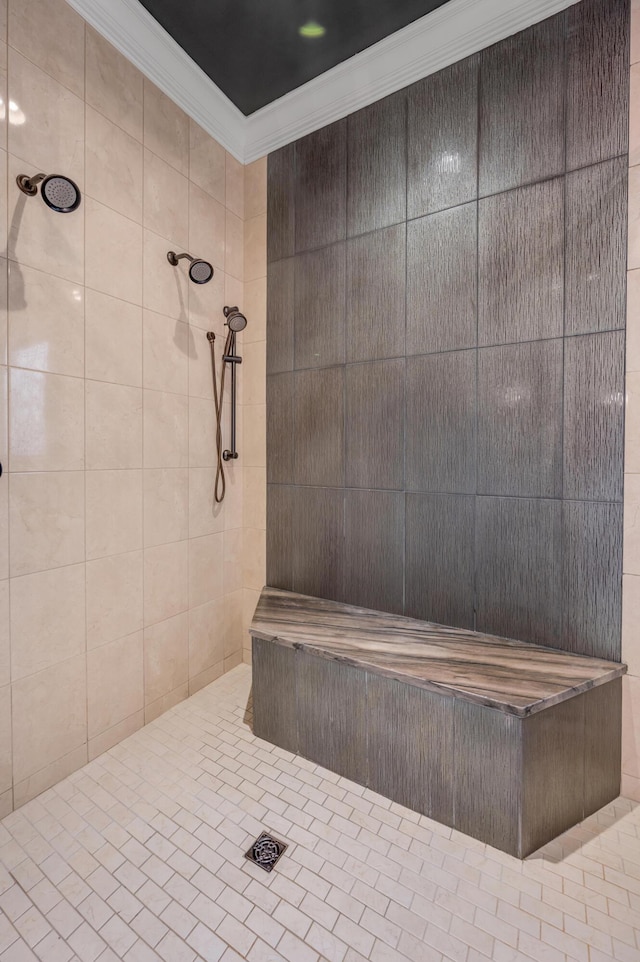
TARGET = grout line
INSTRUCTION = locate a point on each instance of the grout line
(476, 552)
(84, 391)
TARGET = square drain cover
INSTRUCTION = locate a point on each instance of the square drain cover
(265, 851)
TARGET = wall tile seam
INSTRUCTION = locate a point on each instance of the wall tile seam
(452, 350)
(82, 98)
(446, 494)
(473, 200)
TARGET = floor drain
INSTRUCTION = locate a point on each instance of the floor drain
(265, 851)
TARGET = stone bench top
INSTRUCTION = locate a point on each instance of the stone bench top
(511, 676)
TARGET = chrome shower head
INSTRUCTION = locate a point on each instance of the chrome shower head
(236, 321)
(59, 193)
(200, 271)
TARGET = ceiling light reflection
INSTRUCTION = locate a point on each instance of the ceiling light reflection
(16, 115)
(312, 30)
(449, 163)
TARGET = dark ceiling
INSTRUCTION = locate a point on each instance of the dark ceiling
(252, 50)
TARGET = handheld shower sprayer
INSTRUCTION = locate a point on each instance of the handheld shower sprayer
(200, 272)
(235, 322)
(59, 193)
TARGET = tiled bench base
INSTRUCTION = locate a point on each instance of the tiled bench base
(515, 782)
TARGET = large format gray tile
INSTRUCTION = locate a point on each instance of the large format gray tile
(596, 256)
(332, 717)
(603, 714)
(374, 550)
(592, 569)
(319, 427)
(522, 108)
(442, 135)
(440, 426)
(280, 428)
(411, 762)
(594, 417)
(280, 201)
(318, 547)
(440, 559)
(487, 774)
(275, 718)
(374, 424)
(280, 309)
(520, 419)
(321, 187)
(376, 295)
(521, 264)
(442, 281)
(519, 569)
(553, 773)
(319, 307)
(377, 169)
(598, 81)
(281, 535)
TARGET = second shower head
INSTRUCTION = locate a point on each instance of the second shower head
(236, 321)
(200, 272)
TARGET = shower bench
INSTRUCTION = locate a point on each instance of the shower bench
(508, 742)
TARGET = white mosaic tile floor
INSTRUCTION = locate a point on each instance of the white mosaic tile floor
(139, 856)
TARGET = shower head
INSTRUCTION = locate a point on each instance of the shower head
(200, 271)
(58, 192)
(236, 321)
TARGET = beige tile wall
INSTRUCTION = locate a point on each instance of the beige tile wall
(631, 562)
(122, 587)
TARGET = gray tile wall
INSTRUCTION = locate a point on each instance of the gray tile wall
(445, 345)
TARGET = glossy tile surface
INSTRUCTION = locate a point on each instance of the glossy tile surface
(319, 311)
(519, 568)
(375, 409)
(597, 84)
(441, 423)
(59, 52)
(593, 404)
(280, 203)
(520, 420)
(522, 108)
(46, 330)
(521, 264)
(280, 448)
(596, 248)
(375, 308)
(442, 138)
(318, 552)
(440, 558)
(319, 430)
(592, 536)
(321, 187)
(166, 128)
(374, 549)
(113, 85)
(280, 314)
(442, 281)
(280, 535)
(377, 170)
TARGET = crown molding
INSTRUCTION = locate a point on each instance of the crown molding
(445, 36)
(140, 38)
(448, 34)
